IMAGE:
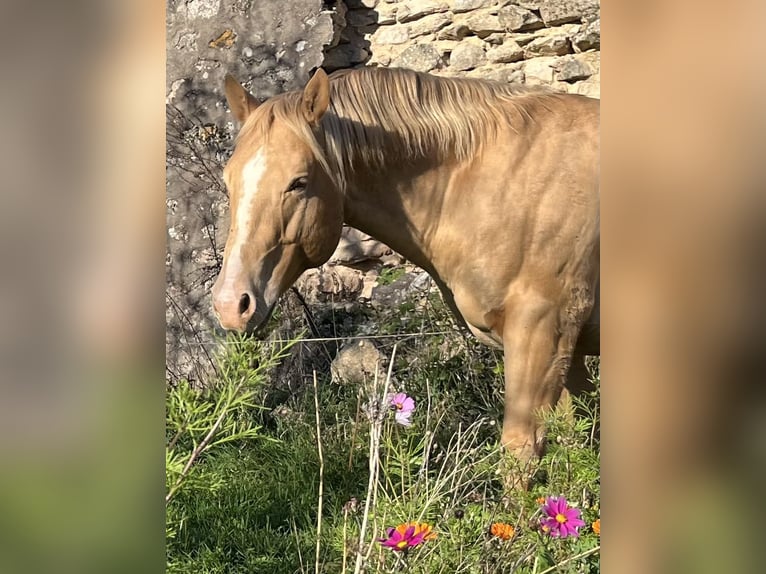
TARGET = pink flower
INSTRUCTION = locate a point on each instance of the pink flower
(562, 520)
(403, 405)
(407, 535)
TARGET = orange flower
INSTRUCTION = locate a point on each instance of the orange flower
(597, 527)
(502, 530)
(540, 500)
(425, 530)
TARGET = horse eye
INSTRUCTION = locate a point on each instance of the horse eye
(298, 184)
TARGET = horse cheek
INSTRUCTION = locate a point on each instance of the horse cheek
(323, 233)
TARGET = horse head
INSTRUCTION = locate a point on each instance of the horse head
(286, 212)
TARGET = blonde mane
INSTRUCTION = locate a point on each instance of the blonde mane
(380, 116)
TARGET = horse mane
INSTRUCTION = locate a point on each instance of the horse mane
(383, 115)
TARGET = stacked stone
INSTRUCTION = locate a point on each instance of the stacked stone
(548, 42)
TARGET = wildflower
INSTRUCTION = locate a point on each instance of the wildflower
(540, 500)
(407, 535)
(403, 405)
(562, 520)
(597, 527)
(502, 530)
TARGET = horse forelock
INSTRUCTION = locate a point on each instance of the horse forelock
(379, 116)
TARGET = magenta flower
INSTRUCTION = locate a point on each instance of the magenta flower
(403, 405)
(562, 519)
(407, 535)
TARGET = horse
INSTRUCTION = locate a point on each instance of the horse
(491, 188)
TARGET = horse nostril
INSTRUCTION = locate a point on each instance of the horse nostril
(244, 304)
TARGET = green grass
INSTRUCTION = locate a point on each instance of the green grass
(250, 504)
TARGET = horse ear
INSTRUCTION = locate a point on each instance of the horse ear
(241, 102)
(316, 97)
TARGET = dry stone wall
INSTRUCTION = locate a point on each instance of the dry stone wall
(538, 42)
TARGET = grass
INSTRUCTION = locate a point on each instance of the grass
(250, 503)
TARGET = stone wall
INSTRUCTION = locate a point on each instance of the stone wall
(551, 42)
(272, 46)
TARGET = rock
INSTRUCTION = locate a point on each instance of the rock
(590, 59)
(548, 46)
(466, 56)
(355, 247)
(358, 18)
(498, 73)
(523, 39)
(455, 31)
(508, 52)
(444, 47)
(590, 87)
(555, 12)
(468, 5)
(344, 56)
(422, 282)
(356, 4)
(205, 9)
(386, 14)
(539, 71)
(571, 69)
(589, 38)
(357, 362)
(339, 22)
(421, 58)
(495, 39)
(428, 25)
(331, 283)
(414, 9)
(388, 298)
(484, 23)
(391, 35)
(380, 57)
(528, 4)
(519, 19)
(351, 35)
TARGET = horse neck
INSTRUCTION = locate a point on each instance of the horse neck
(398, 206)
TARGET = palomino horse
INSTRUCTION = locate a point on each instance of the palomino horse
(491, 188)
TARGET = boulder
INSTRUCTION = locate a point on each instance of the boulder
(355, 247)
(548, 46)
(344, 56)
(391, 35)
(483, 24)
(507, 52)
(555, 12)
(420, 57)
(519, 19)
(498, 73)
(428, 24)
(357, 362)
(589, 38)
(573, 69)
(466, 56)
(455, 31)
(539, 70)
(468, 5)
(414, 9)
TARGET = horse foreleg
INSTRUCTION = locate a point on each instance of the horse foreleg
(538, 339)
